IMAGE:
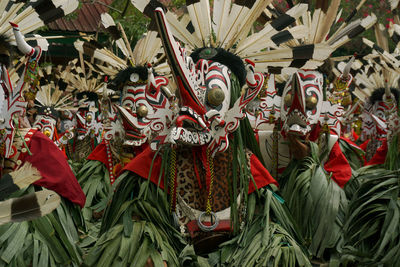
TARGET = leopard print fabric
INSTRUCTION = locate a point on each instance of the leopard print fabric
(193, 189)
(79, 150)
(372, 147)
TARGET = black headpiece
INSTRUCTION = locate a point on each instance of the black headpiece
(88, 95)
(5, 51)
(49, 111)
(377, 95)
(233, 62)
(124, 76)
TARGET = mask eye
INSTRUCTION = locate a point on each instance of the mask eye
(127, 106)
(288, 100)
(215, 96)
(47, 132)
(134, 77)
(380, 114)
(142, 111)
(311, 102)
(89, 118)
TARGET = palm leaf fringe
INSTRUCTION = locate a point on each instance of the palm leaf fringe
(94, 179)
(143, 226)
(353, 156)
(371, 234)
(316, 202)
(130, 209)
(262, 242)
(51, 240)
(392, 157)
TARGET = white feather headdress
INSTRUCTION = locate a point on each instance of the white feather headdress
(32, 15)
(147, 50)
(394, 4)
(319, 41)
(49, 96)
(80, 80)
(296, 39)
(374, 75)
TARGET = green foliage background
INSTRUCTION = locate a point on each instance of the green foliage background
(133, 21)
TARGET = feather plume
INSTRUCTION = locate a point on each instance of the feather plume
(8, 16)
(317, 52)
(339, 15)
(180, 30)
(296, 39)
(317, 18)
(385, 55)
(328, 20)
(286, 65)
(111, 27)
(220, 16)
(239, 22)
(394, 33)
(273, 40)
(79, 80)
(260, 40)
(101, 54)
(199, 12)
(18, 179)
(245, 25)
(127, 44)
(360, 94)
(147, 48)
(29, 207)
(3, 5)
(49, 96)
(394, 4)
(108, 70)
(349, 18)
(374, 74)
(270, 13)
(381, 39)
(147, 7)
(352, 31)
(236, 15)
(33, 15)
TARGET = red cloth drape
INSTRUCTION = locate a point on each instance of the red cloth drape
(141, 165)
(50, 161)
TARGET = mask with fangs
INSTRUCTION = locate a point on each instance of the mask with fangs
(208, 86)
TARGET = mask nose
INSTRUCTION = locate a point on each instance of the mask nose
(296, 99)
(189, 96)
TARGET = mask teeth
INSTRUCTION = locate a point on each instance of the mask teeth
(304, 125)
(195, 116)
